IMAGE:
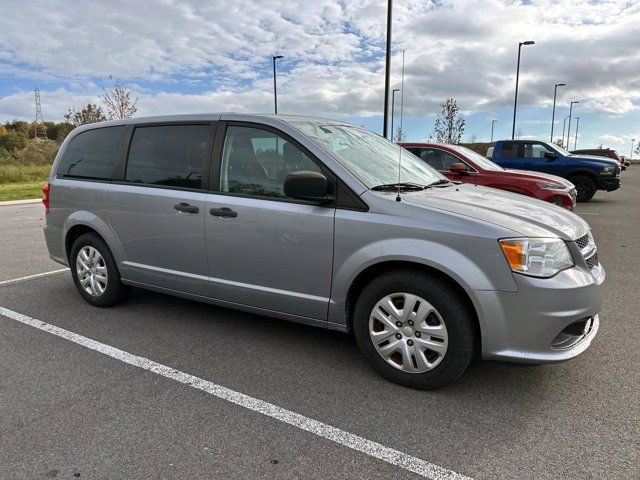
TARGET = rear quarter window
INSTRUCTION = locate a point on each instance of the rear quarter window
(510, 149)
(91, 154)
(169, 155)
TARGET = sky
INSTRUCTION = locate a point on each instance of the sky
(210, 56)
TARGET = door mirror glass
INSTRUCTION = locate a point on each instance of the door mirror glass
(306, 185)
(550, 155)
(459, 168)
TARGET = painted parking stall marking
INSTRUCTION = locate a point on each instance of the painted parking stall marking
(350, 440)
(33, 277)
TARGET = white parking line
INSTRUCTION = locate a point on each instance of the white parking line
(31, 277)
(368, 447)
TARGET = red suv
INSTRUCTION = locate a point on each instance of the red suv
(464, 165)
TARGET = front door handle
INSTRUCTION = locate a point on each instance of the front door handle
(185, 207)
(223, 212)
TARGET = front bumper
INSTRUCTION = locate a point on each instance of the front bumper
(609, 183)
(546, 320)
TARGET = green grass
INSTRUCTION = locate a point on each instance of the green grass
(21, 191)
(18, 173)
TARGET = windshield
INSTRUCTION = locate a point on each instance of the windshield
(371, 158)
(483, 162)
(558, 149)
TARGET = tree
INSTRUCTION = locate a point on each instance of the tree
(399, 136)
(91, 113)
(119, 102)
(14, 140)
(559, 142)
(449, 125)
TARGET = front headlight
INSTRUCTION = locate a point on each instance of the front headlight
(538, 257)
(608, 170)
(551, 186)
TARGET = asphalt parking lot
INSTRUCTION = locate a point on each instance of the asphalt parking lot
(68, 411)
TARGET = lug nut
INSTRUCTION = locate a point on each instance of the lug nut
(398, 336)
(418, 334)
(410, 342)
(411, 323)
(398, 324)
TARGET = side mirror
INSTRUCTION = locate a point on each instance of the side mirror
(459, 168)
(550, 155)
(305, 185)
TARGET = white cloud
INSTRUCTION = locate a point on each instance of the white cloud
(221, 51)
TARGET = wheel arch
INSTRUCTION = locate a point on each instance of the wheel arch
(80, 223)
(377, 269)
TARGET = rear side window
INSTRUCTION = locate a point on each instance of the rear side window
(510, 149)
(91, 154)
(168, 155)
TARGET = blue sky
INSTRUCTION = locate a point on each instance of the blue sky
(197, 56)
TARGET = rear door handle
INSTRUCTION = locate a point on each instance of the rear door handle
(223, 212)
(185, 207)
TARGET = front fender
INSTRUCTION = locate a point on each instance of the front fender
(485, 271)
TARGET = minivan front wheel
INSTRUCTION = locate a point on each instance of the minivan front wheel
(95, 272)
(414, 329)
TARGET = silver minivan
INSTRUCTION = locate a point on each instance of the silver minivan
(323, 223)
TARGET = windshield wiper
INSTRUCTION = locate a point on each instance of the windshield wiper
(442, 181)
(392, 187)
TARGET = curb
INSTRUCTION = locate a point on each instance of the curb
(20, 202)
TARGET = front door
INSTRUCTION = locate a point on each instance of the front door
(265, 250)
(540, 158)
(158, 211)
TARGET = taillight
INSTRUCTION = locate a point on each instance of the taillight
(45, 198)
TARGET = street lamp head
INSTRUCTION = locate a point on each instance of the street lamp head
(561, 84)
(577, 101)
(528, 42)
(275, 57)
(396, 89)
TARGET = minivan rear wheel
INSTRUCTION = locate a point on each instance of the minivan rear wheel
(414, 329)
(95, 272)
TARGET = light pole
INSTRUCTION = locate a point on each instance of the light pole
(553, 114)
(631, 156)
(492, 122)
(275, 88)
(387, 71)
(515, 101)
(569, 127)
(575, 141)
(393, 105)
(564, 126)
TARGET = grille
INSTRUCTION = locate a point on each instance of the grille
(583, 241)
(592, 261)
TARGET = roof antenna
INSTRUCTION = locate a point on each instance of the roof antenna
(401, 117)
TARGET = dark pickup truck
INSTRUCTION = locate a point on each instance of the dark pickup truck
(587, 173)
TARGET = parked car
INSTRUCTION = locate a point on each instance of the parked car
(464, 165)
(588, 174)
(602, 152)
(318, 222)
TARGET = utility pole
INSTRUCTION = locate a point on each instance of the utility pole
(569, 128)
(275, 90)
(387, 72)
(515, 101)
(564, 126)
(631, 156)
(39, 127)
(575, 142)
(492, 122)
(553, 114)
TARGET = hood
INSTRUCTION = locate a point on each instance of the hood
(540, 177)
(604, 161)
(526, 216)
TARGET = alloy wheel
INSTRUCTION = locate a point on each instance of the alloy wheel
(92, 271)
(408, 332)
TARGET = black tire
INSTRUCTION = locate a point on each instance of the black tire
(459, 320)
(115, 291)
(585, 187)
